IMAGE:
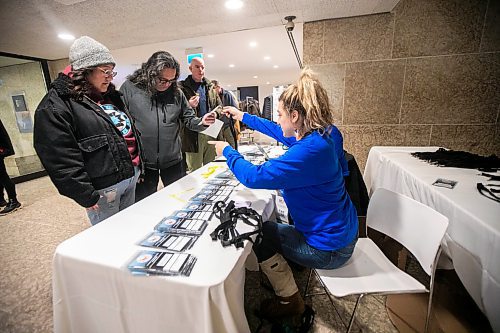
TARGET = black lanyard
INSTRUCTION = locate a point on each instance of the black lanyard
(229, 215)
(483, 190)
(492, 177)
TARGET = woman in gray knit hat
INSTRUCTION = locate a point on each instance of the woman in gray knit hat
(85, 137)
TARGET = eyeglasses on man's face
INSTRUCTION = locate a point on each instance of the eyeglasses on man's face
(107, 72)
(165, 81)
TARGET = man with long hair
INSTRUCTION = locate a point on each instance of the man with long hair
(159, 108)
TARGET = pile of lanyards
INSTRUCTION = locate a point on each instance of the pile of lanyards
(229, 215)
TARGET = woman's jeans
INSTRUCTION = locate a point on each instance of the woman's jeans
(114, 199)
(291, 244)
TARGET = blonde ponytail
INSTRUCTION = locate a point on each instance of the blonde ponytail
(308, 97)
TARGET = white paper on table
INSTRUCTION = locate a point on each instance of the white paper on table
(214, 129)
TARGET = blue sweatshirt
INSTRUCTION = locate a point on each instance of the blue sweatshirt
(310, 176)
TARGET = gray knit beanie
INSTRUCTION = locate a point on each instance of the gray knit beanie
(87, 52)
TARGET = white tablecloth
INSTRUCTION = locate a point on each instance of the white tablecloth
(472, 240)
(94, 292)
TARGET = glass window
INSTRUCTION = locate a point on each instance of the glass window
(22, 87)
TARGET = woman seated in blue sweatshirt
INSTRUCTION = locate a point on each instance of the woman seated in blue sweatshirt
(310, 175)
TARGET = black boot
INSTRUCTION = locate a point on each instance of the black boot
(282, 307)
(11, 206)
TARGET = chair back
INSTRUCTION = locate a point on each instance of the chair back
(416, 226)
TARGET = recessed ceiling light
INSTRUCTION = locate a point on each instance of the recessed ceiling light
(255, 77)
(275, 66)
(210, 55)
(231, 65)
(234, 4)
(66, 36)
(267, 58)
(228, 85)
(268, 82)
(253, 44)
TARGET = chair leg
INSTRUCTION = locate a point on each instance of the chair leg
(429, 305)
(325, 292)
(351, 321)
(431, 291)
(307, 283)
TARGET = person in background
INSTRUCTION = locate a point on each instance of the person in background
(85, 137)
(6, 149)
(231, 129)
(203, 98)
(310, 176)
(159, 108)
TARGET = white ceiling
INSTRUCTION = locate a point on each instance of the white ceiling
(134, 29)
(228, 48)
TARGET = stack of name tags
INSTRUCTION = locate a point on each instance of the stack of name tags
(178, 232)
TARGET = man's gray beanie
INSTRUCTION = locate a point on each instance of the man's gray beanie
(87, 52)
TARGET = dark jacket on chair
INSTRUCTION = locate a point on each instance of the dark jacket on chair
(355, 186)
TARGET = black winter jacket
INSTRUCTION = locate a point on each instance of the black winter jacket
(5, 143)
(190, 138)
(78, 144)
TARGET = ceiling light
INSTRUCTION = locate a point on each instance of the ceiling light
(234, 4)
(253, 44)
(275, 66)
(69, 2)
(228, 85)
(267, 58)
(268, 82)
(66, 36)
(255, 77)
(231, 65)
(210, 55)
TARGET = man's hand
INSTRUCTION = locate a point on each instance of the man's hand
(219, 146)
(234, 112)
(194, 101)
(209, 118)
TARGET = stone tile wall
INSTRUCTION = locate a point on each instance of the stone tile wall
(428, 73)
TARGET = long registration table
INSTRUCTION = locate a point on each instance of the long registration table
(472, 240)
(94, 292)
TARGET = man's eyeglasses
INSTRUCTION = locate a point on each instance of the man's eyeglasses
(107, 72)
(166, 81)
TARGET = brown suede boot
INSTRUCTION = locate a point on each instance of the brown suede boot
(281, 307)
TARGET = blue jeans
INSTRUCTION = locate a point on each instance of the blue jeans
(292, 245)
(114, 199)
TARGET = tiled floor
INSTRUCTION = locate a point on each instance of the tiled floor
(28, 240)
